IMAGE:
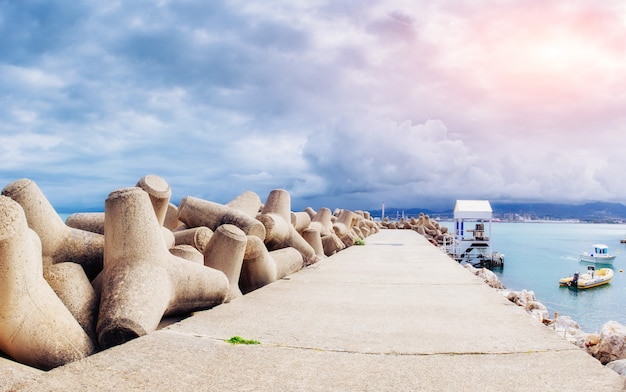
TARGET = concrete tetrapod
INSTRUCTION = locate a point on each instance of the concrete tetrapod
(258, 269)
(248, 202)
(261, 267)
(300, 220)
(313, 237)
(188, 252)
(288, 261)
(198, 237)
(88, 221)
(36, 329)
(343, 227)
(310, 211)
(225, 252)
(195, 212)
(280, 233)
(142, 281)
(322, 221)
(69, 282)
(60, 243)
(366, 220)
(94, 222)
(171, 218)
(159, 191)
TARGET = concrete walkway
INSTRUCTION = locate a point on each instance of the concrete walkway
(393, 315)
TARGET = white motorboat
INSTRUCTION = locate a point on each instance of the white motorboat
(600, 255)
(590, 279)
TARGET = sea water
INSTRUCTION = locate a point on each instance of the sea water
(537, 255)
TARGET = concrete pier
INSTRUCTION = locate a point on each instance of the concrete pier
(393, 315)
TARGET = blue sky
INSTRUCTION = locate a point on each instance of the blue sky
(345, 104)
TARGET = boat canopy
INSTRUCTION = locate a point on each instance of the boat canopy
(601, 248)
(473, 209)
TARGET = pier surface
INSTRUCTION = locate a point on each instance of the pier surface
(395, 314)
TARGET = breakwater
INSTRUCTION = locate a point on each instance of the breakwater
(71, 289)
(393, 314)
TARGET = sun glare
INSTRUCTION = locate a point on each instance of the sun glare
(563, 57)
(559, 54)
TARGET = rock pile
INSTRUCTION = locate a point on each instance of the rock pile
(608, 346)
(70, 289)
(487, 276)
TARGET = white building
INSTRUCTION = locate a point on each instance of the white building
(472, 234)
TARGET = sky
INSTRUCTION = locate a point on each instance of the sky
(345, 104)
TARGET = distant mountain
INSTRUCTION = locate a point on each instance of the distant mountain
(598, 211)
(589, 212)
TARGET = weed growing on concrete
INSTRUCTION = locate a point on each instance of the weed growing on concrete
(240, 340)
(359, 241)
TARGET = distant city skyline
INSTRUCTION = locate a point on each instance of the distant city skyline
(343, 104)
(599, 212)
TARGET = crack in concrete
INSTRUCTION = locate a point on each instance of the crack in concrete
(424, 354)
(387, 353)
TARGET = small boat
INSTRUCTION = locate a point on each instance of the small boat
(600, 255)
(591, 278)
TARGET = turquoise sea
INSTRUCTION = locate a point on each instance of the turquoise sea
(537, 255)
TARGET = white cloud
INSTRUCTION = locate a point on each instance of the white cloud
(341, 103)
(30, 77)
(22, 150)
(369, 155)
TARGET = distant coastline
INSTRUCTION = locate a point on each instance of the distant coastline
(599, 212)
